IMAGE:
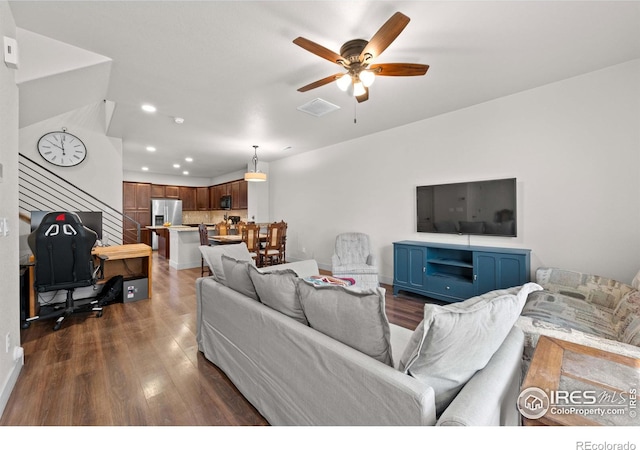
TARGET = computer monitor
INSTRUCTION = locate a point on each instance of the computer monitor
(90, 219)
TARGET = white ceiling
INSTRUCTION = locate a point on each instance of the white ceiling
(230, 69)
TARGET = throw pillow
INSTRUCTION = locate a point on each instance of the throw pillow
(213, 256)
(356, 318)
(277, 290)
(237, 277)
(454, 341)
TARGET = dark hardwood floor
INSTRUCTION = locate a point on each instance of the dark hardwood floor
(138, 364)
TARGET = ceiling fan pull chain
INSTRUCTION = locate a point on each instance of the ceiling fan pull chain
(355, 110)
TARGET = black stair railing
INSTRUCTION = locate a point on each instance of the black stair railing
(39, 189)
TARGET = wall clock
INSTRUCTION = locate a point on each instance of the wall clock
(62, 149)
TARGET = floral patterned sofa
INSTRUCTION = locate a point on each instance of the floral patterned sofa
(583, 308)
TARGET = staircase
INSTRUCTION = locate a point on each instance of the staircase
(39, 189)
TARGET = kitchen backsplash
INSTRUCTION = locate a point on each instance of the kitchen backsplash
(194, 217)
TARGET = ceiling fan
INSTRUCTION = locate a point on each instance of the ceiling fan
(356, 57)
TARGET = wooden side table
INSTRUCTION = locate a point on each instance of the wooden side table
(572, 384)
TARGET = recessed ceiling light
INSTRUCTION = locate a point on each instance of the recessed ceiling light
(177, 166)
(178, 120)
(151, 149)
(188, 159)
(149, 108)
(145, 169)
(185, 172)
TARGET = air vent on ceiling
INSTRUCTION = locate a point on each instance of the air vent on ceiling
(318, 107)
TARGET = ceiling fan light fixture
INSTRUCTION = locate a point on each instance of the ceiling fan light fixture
(343, 82)
(367, 77)
(358, 89)
(255, 174)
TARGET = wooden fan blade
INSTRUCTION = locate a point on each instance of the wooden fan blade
(364, 97)
(319, 50)
(319, 83)
(399, 69)
(384, 36)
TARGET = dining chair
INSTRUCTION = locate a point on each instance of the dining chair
(240, 227)
(283, 240)
(204, 240)
(272, 250)
(251, 237)
(222, 228)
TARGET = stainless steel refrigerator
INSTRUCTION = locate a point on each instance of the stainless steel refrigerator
(164, 210)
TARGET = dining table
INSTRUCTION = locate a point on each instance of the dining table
(231, 239)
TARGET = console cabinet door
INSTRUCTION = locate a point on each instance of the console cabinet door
(499, 271)
(409, 267)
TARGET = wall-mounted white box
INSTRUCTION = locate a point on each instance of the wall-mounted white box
(11, 52)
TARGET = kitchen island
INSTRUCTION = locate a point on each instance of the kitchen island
(185, 246)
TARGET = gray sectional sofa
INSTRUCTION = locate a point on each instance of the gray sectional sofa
(286, 345)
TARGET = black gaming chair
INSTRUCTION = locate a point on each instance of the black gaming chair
(63, 261)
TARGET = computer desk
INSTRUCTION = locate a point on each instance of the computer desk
(128, 260)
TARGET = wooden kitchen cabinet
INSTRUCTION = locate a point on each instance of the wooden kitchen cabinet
(172, 192)
(157, 190)
(234, 191)
(220, 190)
(214, 202)
(136, 196)
(202, 198)
(188, 197)
(136, 201)
(243, 197)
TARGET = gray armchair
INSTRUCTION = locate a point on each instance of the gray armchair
(352, 258)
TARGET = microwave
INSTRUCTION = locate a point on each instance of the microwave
(225, 202)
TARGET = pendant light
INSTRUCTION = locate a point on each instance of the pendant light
(255, 175)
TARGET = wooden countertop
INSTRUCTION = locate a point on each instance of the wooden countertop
(123, 251)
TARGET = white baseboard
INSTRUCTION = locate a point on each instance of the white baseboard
(11, 379)
(184, 265)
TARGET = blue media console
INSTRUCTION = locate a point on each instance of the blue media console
(452, 272)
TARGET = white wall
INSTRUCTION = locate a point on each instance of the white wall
(574, 147)
(100, 174)
(9, 276)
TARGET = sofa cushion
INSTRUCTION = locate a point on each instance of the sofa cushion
(277, 290)
(356, 318)
(237, 276)
(595, 289)
(354, 269)
(213, 256)
(570, 312)
(454, 341)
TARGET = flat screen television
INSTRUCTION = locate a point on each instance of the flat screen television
(476, 207)
(90, 219)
